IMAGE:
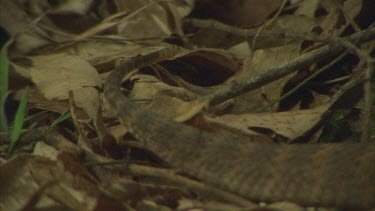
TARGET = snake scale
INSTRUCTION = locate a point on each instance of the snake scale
(333, 175)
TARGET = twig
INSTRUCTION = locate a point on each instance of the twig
(268, 23)
(368, 120)
(347, 17)
(197, 90)
(82, 141)
(304, 81)
(252, 33)
(236, 88)
(369, 89)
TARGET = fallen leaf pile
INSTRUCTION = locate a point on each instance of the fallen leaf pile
(89, 161)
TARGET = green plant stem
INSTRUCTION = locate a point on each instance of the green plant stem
(4, 65)
(18, 123)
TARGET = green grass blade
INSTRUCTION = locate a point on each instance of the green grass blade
(63, 117)
(18, 123)
(29, 118)
(3, 120)
(4, 68)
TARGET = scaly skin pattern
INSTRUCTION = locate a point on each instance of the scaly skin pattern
(330, 175)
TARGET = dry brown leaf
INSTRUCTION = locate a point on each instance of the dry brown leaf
(184, 7)
(263, 60)
(17, 22)
(143, 91)
(38, 101)
(56, 74)
(294, 24)
(335, 22)
(68, 184)
(307, 8)
(244, 13)
(163, 98)
(175, 108)
(319, 99)
(106, 24)
(45, 150)
(117, 131)
(291, 124)
(152, 22)
(19, 75)
(147, 86)
(151, 205)
(88, 99)
(73, 6)
(286, 23)
(213, 60)
(241, 50)
(22, 176)
(150, 88)
(101, 53)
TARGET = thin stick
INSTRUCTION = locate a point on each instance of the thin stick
(268, 23)
(236, 88)
(290, 92)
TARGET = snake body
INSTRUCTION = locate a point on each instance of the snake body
(332, 175)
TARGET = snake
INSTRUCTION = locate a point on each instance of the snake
(340, 175)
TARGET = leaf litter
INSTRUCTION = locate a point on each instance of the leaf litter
(73, 47)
